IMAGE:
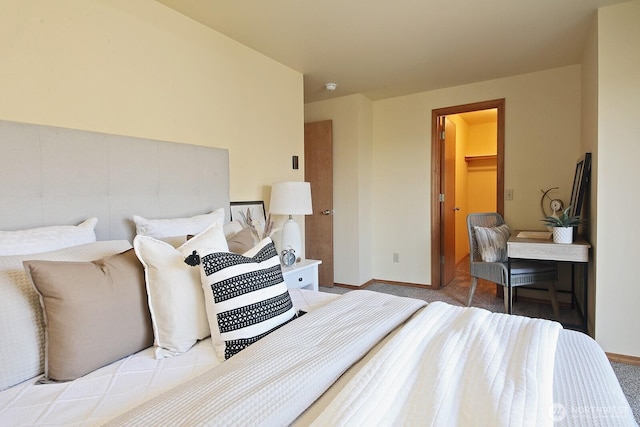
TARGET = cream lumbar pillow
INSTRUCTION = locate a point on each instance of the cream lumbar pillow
(95, 312)
(171, 227)
(246, 296)
(174, 291)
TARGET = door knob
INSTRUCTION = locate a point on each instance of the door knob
(327, 212)
(456, 208)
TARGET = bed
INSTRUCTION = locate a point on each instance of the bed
(362, 358)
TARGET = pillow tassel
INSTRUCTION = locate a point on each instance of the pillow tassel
(193, 259)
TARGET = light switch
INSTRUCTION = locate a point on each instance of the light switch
(508, 194)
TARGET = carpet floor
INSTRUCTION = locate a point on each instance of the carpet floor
(456, 293)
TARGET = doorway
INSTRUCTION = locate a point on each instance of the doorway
(443, 207)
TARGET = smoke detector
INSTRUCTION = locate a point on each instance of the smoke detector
(330, 86)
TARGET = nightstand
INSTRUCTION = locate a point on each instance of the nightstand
(303, 274)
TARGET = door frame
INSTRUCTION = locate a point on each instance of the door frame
(436, 175)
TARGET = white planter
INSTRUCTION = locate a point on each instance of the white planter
(562, 234)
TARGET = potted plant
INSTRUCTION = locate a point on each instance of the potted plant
(563, 226)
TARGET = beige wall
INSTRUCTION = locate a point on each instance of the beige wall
(353, 191)
(618, 148)
(139, 68)
(542, 144)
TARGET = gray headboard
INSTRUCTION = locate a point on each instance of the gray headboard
(56, 176)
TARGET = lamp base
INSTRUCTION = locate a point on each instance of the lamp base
(290, 237)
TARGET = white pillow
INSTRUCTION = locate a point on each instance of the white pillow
(45, 239)
(171, 227)
(246, 296)
(175, 295)
(22, 327)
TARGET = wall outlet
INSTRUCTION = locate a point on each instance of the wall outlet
(508, 194)
(396, 257)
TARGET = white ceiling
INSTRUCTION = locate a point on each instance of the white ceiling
(480, 116)
(385, 48)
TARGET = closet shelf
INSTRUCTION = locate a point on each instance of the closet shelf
(480, 157)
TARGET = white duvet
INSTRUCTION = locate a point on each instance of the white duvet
(444, 366)
(274, 380)
(476, 367)
(585, 390)
(107, 392)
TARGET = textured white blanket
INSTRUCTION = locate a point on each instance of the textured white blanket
(274, 380)
(442, 365)
(454, 366)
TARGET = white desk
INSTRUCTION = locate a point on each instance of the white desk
(545, 250)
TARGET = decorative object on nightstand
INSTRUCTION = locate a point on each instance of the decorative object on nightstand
(288, 257)
(291, 198)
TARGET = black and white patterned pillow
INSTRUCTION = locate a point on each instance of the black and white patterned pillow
(246, 297)
(492, 242)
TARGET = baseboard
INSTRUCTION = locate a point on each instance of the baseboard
(621, 358)
(561, 304)
(386, 282)
(342, 285)
(411, 285)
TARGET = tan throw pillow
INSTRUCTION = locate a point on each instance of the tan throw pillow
(95, 312)
(241, 241)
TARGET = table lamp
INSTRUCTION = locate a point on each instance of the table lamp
(291, 198)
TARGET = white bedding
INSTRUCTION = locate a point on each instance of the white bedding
(585, 390)
(274, 380)
(479, 368)
(20, 308)
(99, 396)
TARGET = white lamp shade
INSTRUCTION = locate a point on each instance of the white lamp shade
(290, 198)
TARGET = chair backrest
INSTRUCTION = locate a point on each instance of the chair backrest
(487, 219)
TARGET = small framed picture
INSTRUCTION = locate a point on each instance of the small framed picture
(249, 213)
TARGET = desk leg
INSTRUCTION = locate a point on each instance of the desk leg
(509, 289)
(573, 285)
(585, 298)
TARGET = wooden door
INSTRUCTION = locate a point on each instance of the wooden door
(448, 206)
(318, 170)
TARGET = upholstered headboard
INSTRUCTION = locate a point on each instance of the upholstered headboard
(56, 176)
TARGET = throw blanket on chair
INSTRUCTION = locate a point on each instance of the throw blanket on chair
(454, 366)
